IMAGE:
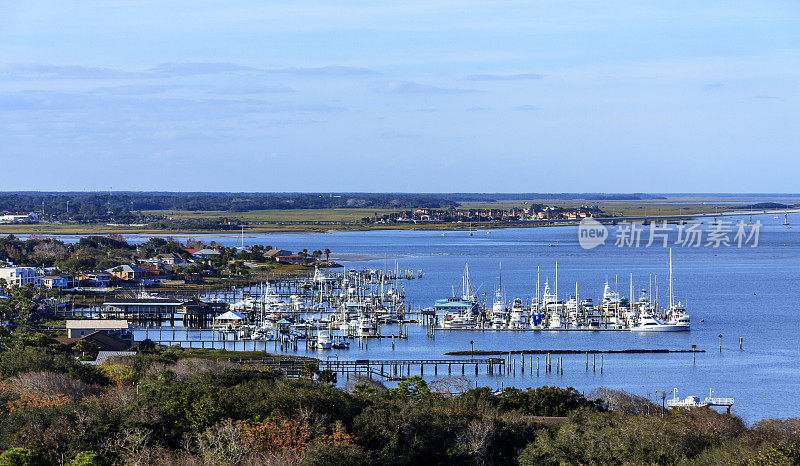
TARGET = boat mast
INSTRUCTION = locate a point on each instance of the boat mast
(538, 300)
(556, 284)
(670, 279)
(632, 307)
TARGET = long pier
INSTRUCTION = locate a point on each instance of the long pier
(388, 369)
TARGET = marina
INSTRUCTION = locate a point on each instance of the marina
(731, 292)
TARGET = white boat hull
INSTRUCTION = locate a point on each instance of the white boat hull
(661, 328)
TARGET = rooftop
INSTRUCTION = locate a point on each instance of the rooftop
(100, 324)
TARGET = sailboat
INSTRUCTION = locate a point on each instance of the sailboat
(677, 318)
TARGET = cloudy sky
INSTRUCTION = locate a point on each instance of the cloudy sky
(434, 95)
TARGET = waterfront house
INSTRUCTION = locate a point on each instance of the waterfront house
(294, 259)
(20, 276)
(55, 281)
(155, 271)
(168, 259)
(126, 272)
(94, 279)
(275, 253)
(142, 308)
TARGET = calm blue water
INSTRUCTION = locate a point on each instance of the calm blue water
(751, 293)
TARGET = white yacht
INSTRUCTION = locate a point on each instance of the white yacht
(365, 328)
(499, 318)
(518, 318)
(554, 321)
(323, 340)
(460, 320)
(649, 323)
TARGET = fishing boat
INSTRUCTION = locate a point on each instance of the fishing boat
(649, 323)
(459, 311)
(365, 328)
(499, 315)
(462, 320)
(518, 317)
(340, 343)
(323, 340)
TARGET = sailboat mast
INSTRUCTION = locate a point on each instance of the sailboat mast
(538, 298)
(670, 279)
(556, 283)
(631, 292)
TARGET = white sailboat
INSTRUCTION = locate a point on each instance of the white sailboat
(677, 318)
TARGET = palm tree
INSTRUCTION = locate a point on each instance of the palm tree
(327, 254)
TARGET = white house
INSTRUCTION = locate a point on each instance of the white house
(204, 253)
(20, 276)
(55, 281)
(11, 217)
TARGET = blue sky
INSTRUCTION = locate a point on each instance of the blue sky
(510, 96)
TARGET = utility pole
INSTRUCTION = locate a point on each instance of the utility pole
(663, 400)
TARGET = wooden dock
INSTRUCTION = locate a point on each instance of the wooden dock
(388, 369)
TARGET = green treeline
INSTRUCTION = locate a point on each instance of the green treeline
(164, 406)
(125, 206)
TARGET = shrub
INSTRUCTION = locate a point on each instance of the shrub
(21, 457)
(544, 401)
(119, 374)
(85, 458)
(48, 384)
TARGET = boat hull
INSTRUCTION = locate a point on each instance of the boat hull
(660, 328)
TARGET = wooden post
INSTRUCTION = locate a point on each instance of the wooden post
(601, 364)
(537, 366)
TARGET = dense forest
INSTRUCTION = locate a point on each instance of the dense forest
(168, 406)
(125, 206)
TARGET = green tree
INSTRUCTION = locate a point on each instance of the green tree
(85, 458)
(21, 457)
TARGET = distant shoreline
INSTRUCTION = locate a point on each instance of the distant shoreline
(96, 229)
